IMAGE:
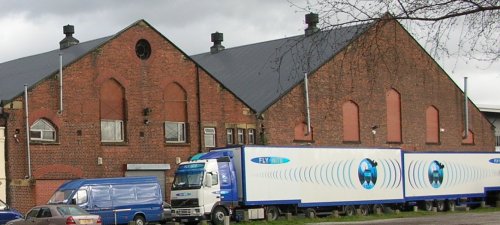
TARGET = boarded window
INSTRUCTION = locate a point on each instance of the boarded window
(350, 117)
(175, 107)
(112, 103)
(393, 102)
(432, 125)
(301, 132)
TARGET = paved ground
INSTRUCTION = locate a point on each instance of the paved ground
(468, 218)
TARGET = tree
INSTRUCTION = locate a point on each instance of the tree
(468, 28)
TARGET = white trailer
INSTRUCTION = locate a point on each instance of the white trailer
(267, 181)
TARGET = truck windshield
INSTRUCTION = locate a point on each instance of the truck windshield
(189, 176)
(60, 196)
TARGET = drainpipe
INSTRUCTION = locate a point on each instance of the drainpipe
(60, 83)
(198, 96)
(466, 110)
(27, 129)
(307, 104)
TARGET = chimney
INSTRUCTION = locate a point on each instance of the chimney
(311, 20)
(69, 40)
(217, 39)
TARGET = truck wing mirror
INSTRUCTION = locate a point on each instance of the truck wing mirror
(208, 180)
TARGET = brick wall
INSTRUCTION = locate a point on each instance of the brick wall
(387, 58)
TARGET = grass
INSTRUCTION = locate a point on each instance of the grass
(301, 220)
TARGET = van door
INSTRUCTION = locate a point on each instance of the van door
(101, 204)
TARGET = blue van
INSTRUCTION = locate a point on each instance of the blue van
(117, 200)
(7, 213)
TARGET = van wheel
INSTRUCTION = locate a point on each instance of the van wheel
(218, 215)
(139, 220)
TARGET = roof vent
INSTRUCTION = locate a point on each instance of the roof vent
(217, 39)
(69, 40)
(311, 20)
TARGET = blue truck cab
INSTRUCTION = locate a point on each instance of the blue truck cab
(117, 200)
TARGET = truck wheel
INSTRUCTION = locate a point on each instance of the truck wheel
(350, 210)
(139, 220)
(273, 213)
(440, 205)
(218, 215)
(310, 213)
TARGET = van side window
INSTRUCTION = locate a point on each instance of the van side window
(147, 191)
(123, 192)
(101, 193)
(81, 196)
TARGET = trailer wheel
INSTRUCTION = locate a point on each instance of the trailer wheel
(440, 205)
(450, 205)
(310, 213)
(218, 215)
(427, 205)
(273, 212)
(378, 207)
(349, 210)
(364, 210)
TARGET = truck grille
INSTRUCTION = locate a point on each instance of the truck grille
(179, 203)
(183, 212)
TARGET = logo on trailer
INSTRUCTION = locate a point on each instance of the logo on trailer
(495, 160)
(436, 174)
(367, 173)
(270, 160)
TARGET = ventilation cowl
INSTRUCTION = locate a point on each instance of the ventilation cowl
(69, 40)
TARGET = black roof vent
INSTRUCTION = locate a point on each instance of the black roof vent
(69, 40)
(312, 20)
(217, 39)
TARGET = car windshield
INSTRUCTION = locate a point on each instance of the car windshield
(71, 211)
(60, 196)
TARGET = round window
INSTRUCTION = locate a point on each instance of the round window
(143, 49)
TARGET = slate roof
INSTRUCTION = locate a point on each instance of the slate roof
(36, 68)
(260, 74)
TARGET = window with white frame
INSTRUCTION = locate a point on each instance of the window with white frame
(241, 136)
(229, 136)
(42, 130)
(251, 136)
(111, 130)
(209, 136)
(175, 132)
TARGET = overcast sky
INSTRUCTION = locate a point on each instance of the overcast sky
(30, 27)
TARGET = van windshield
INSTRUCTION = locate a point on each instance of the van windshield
(60, 196)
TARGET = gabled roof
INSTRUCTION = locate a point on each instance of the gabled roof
(34, 69)
(260, 74)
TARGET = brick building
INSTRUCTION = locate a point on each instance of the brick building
(133, 103)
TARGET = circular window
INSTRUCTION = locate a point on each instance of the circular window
(143, 49)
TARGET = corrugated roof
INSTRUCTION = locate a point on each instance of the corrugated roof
(33, 69)
(259, 74)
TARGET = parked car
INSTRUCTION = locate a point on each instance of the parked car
(167, 212)
(7, 213)
(57, 215)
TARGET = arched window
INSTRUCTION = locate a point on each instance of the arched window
(301, 134)
(112, 103)
(350, 119)
(470, 139)
(42, 130)
(432, 125)
(393, 102)
(175, 109)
